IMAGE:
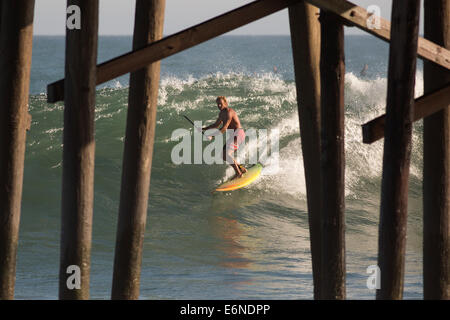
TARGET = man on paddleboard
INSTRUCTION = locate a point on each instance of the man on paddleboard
(230, 120)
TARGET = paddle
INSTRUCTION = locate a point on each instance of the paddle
(193, 124)
(189, 120)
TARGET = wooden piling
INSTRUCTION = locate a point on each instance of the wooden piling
(137, 159)
(16, 40)
(305, 39)
(78, 151)
(397, 147)
(436, 163)
(332, 68)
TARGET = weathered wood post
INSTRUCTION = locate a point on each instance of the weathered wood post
(436, 171)
(16, 39)
(78, 152)
(137, 156)
(397, 147)
(332, 68)
(305, 39)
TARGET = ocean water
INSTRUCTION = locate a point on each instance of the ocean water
(249, 244)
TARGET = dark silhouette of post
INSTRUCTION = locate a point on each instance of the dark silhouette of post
(332, 68)
(436, 161)
(397, 147)
(137, 156)
(305, 39)
(16, 41)
(78, 152)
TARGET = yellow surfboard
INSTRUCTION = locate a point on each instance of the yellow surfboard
(251, 175)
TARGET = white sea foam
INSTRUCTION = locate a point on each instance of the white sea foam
(365, 100)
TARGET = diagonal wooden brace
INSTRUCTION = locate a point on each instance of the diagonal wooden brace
(360, 18)
(423, 107)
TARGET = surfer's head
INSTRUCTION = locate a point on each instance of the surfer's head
(222, 102)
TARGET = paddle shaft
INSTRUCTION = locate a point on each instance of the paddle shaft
(192, 122)
(189, 120)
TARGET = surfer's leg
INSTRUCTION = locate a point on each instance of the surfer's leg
(237, 142)
(240, 167)
(237, 170)
(228, 150)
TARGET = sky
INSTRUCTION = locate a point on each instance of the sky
(117, 16)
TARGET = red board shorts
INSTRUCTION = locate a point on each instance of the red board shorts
(235, 140)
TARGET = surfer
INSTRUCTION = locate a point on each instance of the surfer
(230, 120)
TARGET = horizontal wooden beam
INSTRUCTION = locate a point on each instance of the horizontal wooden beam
(423, 107)
(180, 41)
(361, 18)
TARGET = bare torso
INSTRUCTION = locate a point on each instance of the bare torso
(227, 114)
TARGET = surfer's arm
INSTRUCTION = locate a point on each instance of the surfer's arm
(226, 124)
(223, 129)
(214, 125)
(218, 132)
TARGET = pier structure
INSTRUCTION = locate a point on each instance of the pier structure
(317, 38)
